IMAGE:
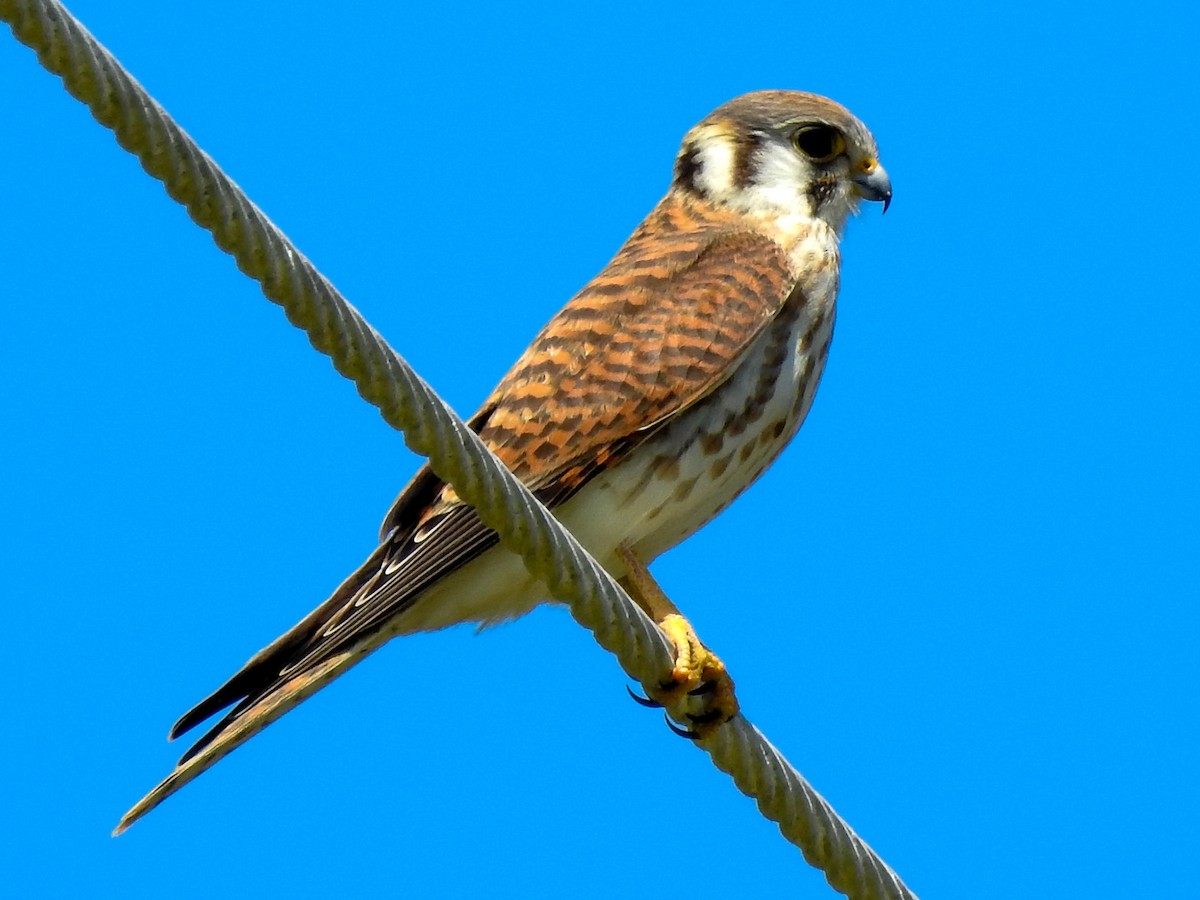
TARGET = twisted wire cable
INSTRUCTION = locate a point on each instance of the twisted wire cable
(432, 429)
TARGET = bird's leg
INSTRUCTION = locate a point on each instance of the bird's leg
(697, 671)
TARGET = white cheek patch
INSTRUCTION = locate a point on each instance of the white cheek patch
(716, 158)
(779, 180)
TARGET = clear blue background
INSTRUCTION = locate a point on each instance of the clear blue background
(963, 603)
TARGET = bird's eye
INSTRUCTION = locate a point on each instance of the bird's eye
(820, 143)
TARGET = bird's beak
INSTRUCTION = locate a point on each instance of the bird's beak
(872, 182)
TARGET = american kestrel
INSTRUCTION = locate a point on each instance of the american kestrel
(643, 408)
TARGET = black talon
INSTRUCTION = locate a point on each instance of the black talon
(682, 732)
(704, 718)
(706, 687)
(644, 701)
(668, 685)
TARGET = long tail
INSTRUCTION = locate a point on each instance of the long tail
(261, 695)
(357, 619)
(240, 729)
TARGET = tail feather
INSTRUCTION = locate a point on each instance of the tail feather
(344, 629)
(239, 727)
(262, 670)
(246, 683)
(260, 694)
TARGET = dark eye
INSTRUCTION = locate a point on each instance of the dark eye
(820, 143)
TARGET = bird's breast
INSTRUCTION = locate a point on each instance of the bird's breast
(691, 470)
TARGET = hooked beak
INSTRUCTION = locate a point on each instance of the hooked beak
(872, 182)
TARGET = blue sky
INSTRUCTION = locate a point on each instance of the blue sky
(963, 603)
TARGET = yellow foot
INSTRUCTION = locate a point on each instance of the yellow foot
(698, 682)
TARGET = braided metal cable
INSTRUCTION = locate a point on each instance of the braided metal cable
(430, 428)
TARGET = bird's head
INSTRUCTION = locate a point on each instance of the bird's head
(783, 153)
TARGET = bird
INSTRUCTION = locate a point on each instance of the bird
(643, 408)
